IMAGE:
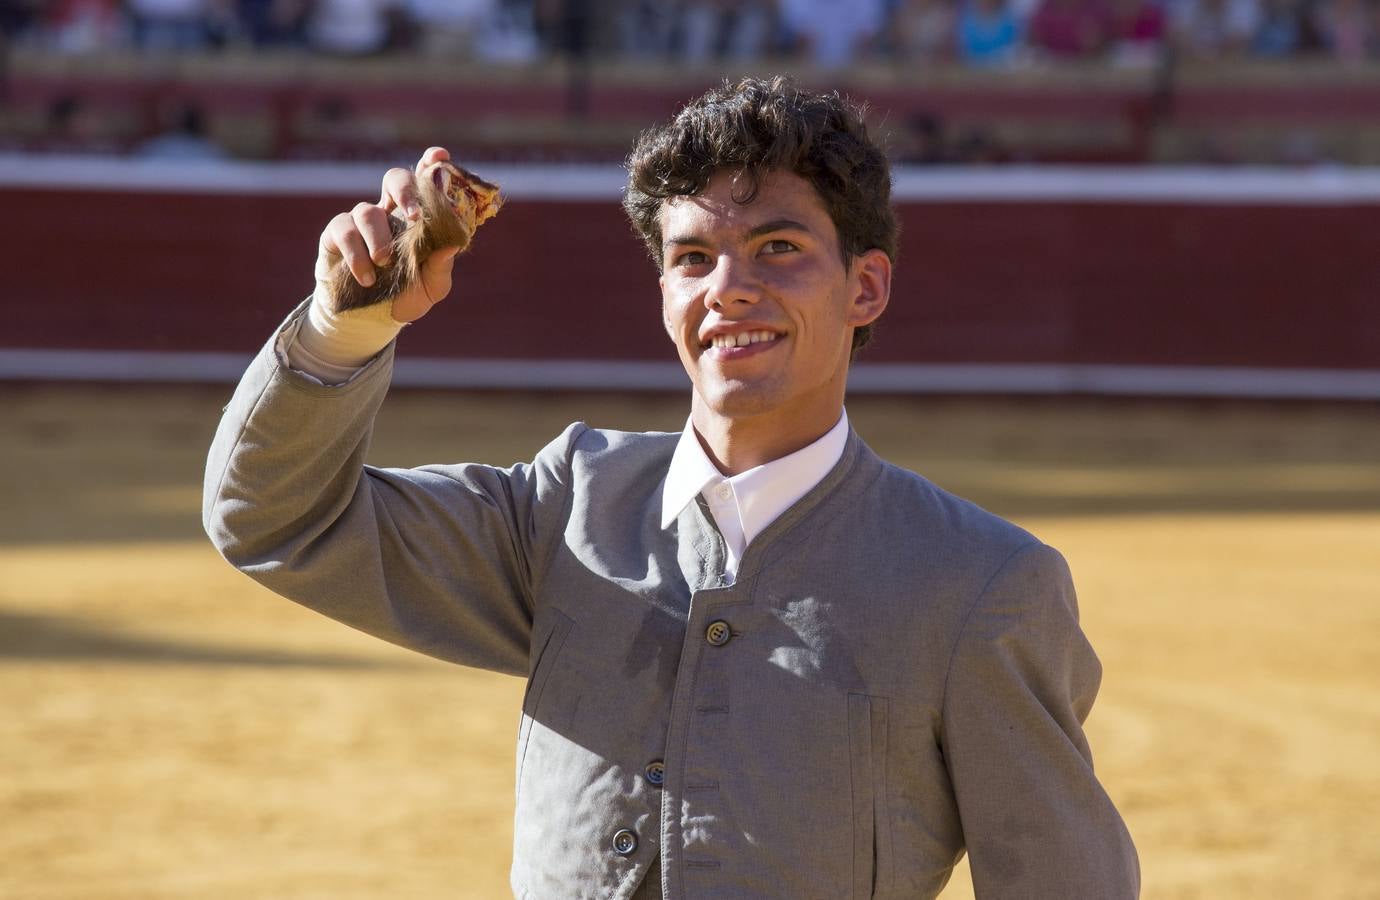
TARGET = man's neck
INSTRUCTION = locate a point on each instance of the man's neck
(736, 445)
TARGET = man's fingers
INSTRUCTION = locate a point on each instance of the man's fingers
(372, 224)
(342, 239)
(400, 192)
(432, 155)
(363, 238)
(400, 185)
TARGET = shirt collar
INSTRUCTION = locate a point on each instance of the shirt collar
(764, 492)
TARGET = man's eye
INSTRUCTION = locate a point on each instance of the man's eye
(778, 246)
(692, 258)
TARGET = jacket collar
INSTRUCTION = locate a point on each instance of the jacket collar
(763, 493)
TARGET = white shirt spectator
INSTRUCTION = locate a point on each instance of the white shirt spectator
(349, 26)
(169, 9)
(833, 28)
(1212, 27)
(464, 15)
(451, 27)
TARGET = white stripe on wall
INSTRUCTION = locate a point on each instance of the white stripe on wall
(867, 378)
(1320, 186)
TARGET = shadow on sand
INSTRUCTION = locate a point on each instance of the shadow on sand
(29, 638)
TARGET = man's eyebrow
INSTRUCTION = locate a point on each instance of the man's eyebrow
(755, 232)
(777, 225)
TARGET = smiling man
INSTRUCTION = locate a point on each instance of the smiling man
(762, 304)
(761, 661)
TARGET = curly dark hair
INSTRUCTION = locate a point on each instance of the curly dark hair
(763, 125)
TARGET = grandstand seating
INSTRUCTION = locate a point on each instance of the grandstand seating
(298, 106)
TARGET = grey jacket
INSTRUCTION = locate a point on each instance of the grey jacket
(895, 674)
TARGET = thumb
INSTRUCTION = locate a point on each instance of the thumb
(437, 271)
(435, 284)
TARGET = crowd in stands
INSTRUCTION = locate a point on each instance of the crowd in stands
(825, 33)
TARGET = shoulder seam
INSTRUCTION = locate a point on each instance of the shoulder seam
(1020, 550)
(540, 576)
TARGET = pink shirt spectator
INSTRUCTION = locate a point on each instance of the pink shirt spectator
(1072, 28)
(1139, 22)
(1347, 28)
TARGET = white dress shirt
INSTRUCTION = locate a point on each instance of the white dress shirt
(744, 505)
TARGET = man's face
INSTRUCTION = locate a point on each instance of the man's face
(759, 302)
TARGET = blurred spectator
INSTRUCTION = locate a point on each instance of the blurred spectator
(511, 35)
(924, 30)
(826, 33)
(72, 126)
(19, 18)
(332, 128)
(1072, 29)
(275, 23)
(185, 140)
(988, 32)
(1279, 31)
(349, 27)
(832, 33)
(1214, 28)
(563, 27)
(979, 146)
(172, 25)
(1139, 30)
(86, 26)
(646, 28)
(448, 28)
(923, 141)
(1348, 29)
(725, 29)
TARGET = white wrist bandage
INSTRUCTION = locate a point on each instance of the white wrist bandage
(332, 345)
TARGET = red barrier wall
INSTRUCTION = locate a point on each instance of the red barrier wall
(1020, 281)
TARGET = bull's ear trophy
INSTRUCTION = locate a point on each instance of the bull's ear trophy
(454, 202)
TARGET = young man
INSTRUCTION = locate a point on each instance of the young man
(761, 661)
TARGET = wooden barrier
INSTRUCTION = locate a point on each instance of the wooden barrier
(1062, 268)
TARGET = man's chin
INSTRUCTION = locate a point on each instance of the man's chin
(734, 399)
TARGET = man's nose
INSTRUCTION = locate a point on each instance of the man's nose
(732, 282)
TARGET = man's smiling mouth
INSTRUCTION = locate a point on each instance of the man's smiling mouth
(741, 339)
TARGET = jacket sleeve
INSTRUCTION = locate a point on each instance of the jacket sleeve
(1022, 679)
(440, 559)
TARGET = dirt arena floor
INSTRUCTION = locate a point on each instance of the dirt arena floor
(171, 730)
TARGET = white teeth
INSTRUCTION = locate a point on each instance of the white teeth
(742, 339)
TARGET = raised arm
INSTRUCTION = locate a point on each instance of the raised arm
(1022, 680)
(440, 559)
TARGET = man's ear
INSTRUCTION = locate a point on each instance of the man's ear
(872, 287)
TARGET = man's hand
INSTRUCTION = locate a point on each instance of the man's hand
(363, 238)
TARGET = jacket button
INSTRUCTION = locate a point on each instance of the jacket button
(718, 633)
(655, 772)
(625, 842)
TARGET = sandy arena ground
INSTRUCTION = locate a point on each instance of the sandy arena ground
(173, 731)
